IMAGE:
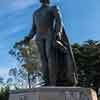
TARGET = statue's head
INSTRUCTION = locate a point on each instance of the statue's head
(45, 1)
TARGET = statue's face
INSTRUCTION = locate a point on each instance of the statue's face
(45, 1)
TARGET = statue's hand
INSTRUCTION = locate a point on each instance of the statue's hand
(59, 36)
(26, 40)
(56, 38)
(61, 47)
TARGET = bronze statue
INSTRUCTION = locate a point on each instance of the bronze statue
(58, 65)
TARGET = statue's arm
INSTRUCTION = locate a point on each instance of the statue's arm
(33, 30)
(58, 22)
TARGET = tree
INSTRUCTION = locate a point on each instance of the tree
(87, 57)
(17, 78)
(4, 93)
(1, 80)
(28, 57)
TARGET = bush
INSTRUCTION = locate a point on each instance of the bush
(4, 93)
(99, 98)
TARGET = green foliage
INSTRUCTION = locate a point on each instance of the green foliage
(17, 78)
(4, 93)
(99, 98)
(27, 56)
(1, 80)
(87, 56)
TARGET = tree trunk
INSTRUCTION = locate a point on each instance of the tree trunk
(29, 81)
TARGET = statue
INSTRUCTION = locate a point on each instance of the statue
(58, 65)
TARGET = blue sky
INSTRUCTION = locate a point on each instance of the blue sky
(81, 19)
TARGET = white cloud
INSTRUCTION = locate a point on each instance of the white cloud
(11, 31)
(4, 71)
(9, 6)
(21, 4)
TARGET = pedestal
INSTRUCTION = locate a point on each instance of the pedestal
(54, 93)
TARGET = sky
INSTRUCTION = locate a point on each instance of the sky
(81, 20)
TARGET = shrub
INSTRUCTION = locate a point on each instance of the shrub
(4, 93)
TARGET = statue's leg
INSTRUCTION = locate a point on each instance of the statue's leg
(44, 61)
(51, 63)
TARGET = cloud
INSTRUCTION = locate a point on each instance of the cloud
(4, 71)
(15, 17)
(12, 31)
(10, 6)
(21, 4)
(16, 21)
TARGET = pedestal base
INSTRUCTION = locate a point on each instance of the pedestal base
(54, 93)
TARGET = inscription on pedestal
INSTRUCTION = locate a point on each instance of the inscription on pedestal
(22, 97)
(55, 93)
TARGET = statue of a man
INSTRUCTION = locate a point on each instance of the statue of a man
(55, 54)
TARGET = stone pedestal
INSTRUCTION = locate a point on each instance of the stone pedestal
(54, 93)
